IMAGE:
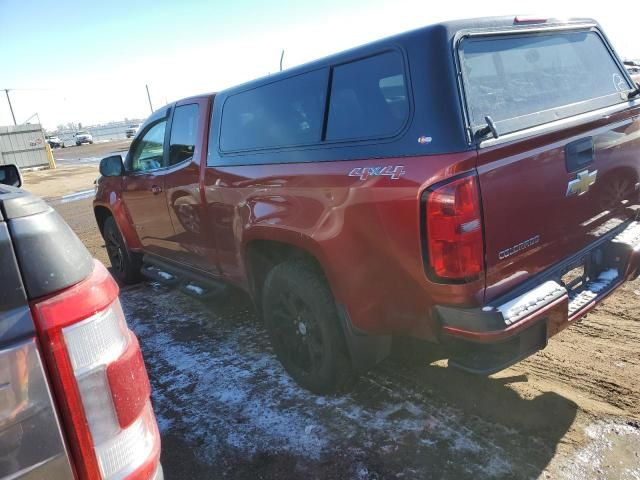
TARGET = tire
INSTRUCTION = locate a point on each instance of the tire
(125, 264)
(302, 321)
(91, 142)
(78, 144)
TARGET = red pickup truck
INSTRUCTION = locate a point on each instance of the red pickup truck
(472, 183)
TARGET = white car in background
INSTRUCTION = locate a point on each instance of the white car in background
(131, 130)
(54, 141)
(83, 137)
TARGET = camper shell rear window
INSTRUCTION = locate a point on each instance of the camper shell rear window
(526, 80)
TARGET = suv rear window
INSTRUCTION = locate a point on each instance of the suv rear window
(524, 81)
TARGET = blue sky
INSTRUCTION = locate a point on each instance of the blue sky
(88, 62)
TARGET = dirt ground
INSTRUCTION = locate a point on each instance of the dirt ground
(227, 409)
(77, 168)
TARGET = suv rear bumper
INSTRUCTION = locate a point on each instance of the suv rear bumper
(488, 339)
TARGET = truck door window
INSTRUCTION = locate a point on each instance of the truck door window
(526, 80)
(149, 152)
(182, 142)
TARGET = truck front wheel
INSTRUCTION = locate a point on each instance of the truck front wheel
(125, 264)
(302, 321)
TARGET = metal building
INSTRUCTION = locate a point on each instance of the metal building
(23, 145)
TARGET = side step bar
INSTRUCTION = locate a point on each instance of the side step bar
(185, 280)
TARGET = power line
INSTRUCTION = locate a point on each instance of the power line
(34, 89)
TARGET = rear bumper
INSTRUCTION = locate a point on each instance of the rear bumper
(512, 327)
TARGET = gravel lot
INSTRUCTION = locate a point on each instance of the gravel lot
(227, 409)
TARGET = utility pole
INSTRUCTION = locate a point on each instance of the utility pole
(281, 57)
(149, 97)
(6, 91)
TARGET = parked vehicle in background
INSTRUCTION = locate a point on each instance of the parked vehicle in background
(473, 184)
(632, 67)
(54, 141)
(132, 130)
(83, 137)
(634, 71)
(75, 397)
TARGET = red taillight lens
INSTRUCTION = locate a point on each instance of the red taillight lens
(454, 230)
(90, 354)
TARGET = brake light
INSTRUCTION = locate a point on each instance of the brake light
(529, 19)
(454, 230)
(101, 384)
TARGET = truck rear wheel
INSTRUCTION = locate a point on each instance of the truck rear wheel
(125, 264)
(302, 321)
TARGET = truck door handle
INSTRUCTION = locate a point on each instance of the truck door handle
(156, 189)
(579, 154)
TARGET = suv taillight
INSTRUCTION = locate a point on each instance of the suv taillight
(101, 383)
(454, 230)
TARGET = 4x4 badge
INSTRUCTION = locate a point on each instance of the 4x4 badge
(393, 171)
(581, 184)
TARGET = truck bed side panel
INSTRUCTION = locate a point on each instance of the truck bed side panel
(365, 232)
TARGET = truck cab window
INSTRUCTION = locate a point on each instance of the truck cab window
(183, 134)
(149, 152)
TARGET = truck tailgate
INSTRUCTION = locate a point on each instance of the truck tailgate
(546, 198)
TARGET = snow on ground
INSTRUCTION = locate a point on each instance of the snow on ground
(219, 388)
(606, 454)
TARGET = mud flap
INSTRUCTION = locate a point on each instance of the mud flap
(365, 350)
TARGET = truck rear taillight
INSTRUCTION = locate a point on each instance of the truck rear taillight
(101, 384)
(455, 245)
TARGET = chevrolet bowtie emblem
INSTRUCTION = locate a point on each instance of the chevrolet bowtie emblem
(581, 184)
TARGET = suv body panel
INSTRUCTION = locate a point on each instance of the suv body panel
(40, 258)
(31, 439)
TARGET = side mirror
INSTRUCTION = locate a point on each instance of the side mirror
(10, 175)
(112, 166)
